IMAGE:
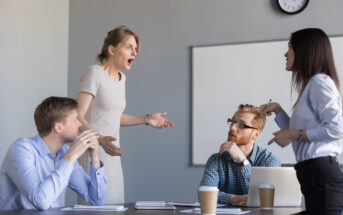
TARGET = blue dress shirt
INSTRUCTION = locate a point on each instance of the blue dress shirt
(224, 172)
(319, 112)
(31, 178)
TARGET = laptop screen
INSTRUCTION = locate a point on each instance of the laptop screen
(287, 187)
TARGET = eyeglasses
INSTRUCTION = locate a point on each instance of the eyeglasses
(240, 125)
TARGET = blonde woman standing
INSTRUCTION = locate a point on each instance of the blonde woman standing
(101, 99)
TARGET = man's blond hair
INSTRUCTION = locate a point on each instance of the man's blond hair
(259, 120)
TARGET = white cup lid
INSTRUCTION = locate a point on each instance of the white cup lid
(208, 188)
(270, 186)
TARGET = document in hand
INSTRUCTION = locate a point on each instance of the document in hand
(154, 205)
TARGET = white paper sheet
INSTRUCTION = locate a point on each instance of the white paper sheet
(219, 211)
(196, 204)
(96, 208)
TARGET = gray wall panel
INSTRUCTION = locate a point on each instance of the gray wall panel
(157, 162)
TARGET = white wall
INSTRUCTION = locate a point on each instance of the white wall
(33, 62)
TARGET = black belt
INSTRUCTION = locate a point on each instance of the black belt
(310, 162)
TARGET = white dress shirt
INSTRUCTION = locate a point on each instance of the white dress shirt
(319, 112)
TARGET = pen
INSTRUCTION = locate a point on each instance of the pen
(265, 106)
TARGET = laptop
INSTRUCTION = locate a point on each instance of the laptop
(287, 187)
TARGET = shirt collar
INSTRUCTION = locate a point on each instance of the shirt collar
(43, 149)
(40, 146)
(252, 156)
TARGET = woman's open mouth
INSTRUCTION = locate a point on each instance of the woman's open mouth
(130, 61)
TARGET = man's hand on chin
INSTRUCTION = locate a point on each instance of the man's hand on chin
(233, 151)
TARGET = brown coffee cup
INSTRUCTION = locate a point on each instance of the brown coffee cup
(267, 192)
(208, 197)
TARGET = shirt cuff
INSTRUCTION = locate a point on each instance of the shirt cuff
(97, 173)
(314, 135)
(223, 198)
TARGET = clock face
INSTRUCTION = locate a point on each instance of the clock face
(292, 6)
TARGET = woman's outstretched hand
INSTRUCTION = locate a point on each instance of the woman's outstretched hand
(109, 147)
(157, 120)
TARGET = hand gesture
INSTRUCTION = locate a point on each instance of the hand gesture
(85, 140)
(157, 120)
(238, 199)
(93, 151)
(93, 147)
(233, 150)
(268, 109)
(109, 147)
(284, 137)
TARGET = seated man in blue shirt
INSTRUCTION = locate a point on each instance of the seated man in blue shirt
(36, 171)
(229, 170)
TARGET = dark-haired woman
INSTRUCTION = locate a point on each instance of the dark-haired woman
(101, 99)
(316, 125)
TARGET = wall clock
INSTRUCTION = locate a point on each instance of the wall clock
(292, 6)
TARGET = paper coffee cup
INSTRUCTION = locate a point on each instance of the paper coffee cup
(208, 197)
(267, 192)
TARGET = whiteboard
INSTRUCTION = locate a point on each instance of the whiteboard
(250, 73)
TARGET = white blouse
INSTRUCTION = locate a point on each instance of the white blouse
(319, 112)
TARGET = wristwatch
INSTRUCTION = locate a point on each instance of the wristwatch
(300, 135)
(245, 162)
(146, 117)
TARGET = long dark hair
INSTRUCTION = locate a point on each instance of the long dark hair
(312, 55)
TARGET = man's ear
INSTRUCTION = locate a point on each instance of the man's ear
(57, 127)
(257, 134)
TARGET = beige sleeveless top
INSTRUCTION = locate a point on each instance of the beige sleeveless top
(104, 115)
